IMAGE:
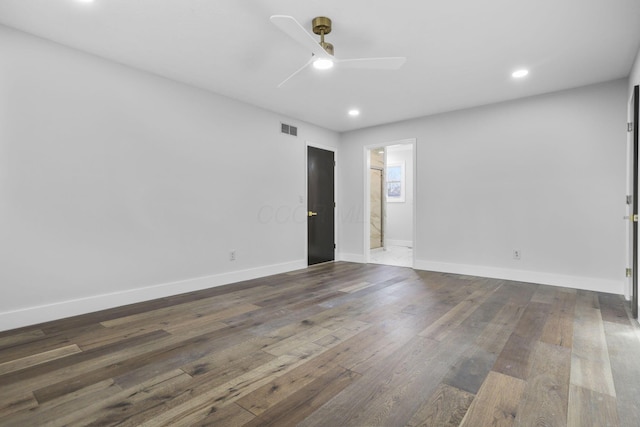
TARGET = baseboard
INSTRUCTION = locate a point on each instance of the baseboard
(351, 258)
(393, 242)
(575, 282)
(59, 310)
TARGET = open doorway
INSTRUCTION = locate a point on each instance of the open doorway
(390, 211)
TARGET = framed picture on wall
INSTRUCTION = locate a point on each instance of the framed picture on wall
(395, 182)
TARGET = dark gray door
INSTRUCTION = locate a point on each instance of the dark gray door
(634, 212)
(320, 205)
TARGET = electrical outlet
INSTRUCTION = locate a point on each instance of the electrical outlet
(232, 255)
(517, 254)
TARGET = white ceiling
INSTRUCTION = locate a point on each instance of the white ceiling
(460, 53)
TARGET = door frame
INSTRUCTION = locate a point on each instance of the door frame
(306, 196)
(631, 290)
(382, 208)
(367, 190)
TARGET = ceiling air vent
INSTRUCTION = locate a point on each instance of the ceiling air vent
(288, 129)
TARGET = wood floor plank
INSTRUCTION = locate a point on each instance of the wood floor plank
(356, 287)
(154, 406)
(246, 383)
(590, 363)
(592, 374)
(393, 391)
(612, 308)
(16, 403)
(116, 406)
(281, 388)
(287, 345)
(533, 320)
(20, 338)
(515, 358)
(454, 317)
(546, 393)
(307, 399)
(340, 335)
(377, 343)
(36, 345)
(164, 314)
(374, 388)
(103, 337)
(588, 408)
(75, 406)
(544, 294)
(559, 327)
(496, 403)
(126, 407)
(446, 407)
(168, 353)
(36, 359)
(225, 356)
(46, 374)
(230, 391)
(366, 348)
(228, 416)
(494, 336)
(470, 370)
(587, 299)
(625, 367)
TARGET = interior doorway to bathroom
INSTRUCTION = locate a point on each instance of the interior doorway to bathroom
(390, 202)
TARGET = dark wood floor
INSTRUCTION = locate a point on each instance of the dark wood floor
(334, 345)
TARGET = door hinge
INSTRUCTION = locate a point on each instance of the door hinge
(630, 127)
(628, 272)
(334, 246)
(629, 200)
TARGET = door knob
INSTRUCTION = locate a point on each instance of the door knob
(313, 213)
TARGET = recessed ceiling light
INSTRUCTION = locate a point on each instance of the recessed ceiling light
(519, 73)
(354, 112)
(322, 64)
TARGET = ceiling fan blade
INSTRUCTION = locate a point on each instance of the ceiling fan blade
(293, 29)
(295, 73)
(390, 63)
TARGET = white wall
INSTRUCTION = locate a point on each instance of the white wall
(399, 221)
(544, 175)
(118, 186)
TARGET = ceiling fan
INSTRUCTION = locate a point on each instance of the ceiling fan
(322, 52)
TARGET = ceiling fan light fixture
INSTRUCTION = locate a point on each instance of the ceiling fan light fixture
(518, 74)
(323, 64)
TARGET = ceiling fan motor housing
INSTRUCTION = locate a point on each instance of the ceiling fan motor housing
(321, 25)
